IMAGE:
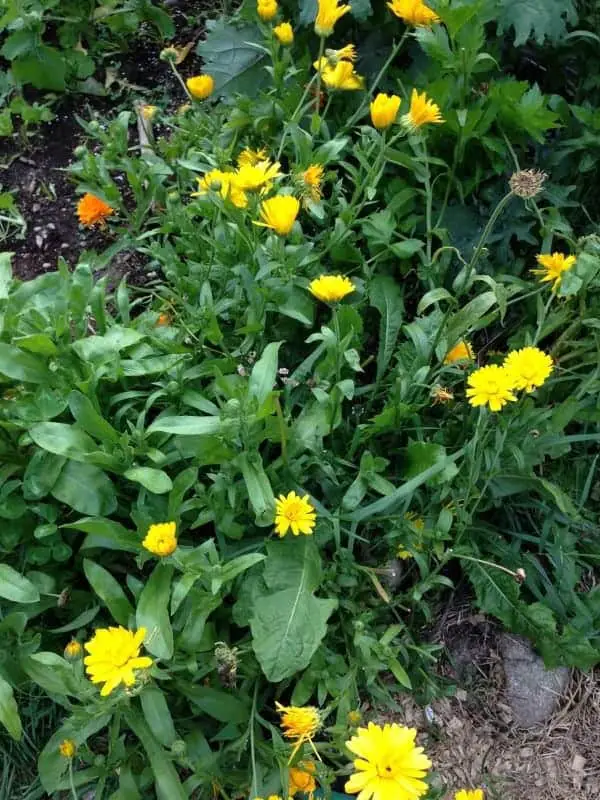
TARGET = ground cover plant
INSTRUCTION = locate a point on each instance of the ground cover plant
(366, 377)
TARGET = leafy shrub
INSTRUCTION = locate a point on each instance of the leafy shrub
(237, 378)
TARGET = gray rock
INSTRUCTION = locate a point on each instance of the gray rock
(532, 691)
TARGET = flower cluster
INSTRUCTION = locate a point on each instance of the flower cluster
(495, 385)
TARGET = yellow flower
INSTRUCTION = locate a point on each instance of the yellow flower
(114, 654)
(528, 367)
(469, 794)
(284, 33)
(294, 512)
(328, 13)
(301, 778)
(491, 386)
(183, 109)
(266, 9)
(330, 288)
(418, 525)
(251, 177)
(311, 180)
(384, 110)
(67, 748)
(389, 765)
(341, 76)
(460, 352)
(91, 210)
(223, 182)
(249, 157)
(148, 112)
(553, 266)
(413, 12)
(279, 213)
(423, 111)
(347, 53)
(161, 539)
(73, 650)
(300, 724)
(200, 86)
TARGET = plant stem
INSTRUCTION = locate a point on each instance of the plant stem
(487, 563)
(484, 237)
(72, 780)
(252, 748)
(540, 325)
(298, 109)
(180, 79)
(320, 58)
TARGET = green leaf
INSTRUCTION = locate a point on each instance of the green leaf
(90, 419)
(218, 704)
(63, 440)
(153, 612)
(45, 69)
(52, 672)
(96, 348)
(540, 19)
(420, 456)
(168, 785)
(9, 713)
(51, 765)
(13, 586)
(187, 426)
(155, 480)
(264, 373)
(106, 534)
(85, 488)
(258, 487)
(233, 56)
(157, 714)
(109, 591)
(20, 366)
(5, 274)
(289, 623)
(386, 296)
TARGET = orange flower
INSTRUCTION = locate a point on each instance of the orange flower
(91, 210)
(163, 319)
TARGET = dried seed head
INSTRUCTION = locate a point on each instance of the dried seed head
(227, 664)
(520, 575)
(527, 183)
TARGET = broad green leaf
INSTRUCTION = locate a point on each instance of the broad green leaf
(90, 419)
(44, 69)
(5, 274)
(13, 586)
(264, 373)
(85, 488)
(106, 534)
(52, 672)
(80, 621)
(21, 366)
(153, 612)
(289, 623)
(109, 591)
(9, 713)
(167, 783)
(158, 716)
(218, 704)
(539, 19)
(96, 348)
(51, 765)
(187, 426)
(386, 296)
(258, 487)
(233, 56)
(63, 440)
(419, 456)
(155, 480)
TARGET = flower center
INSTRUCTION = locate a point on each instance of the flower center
(384, 771)
(293, 512)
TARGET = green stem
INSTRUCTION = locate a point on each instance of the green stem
(180, 79)
(542, 318)
(483, 561)
(360, 110)
(428, 204)
(319, 59)
(484, 237)
(297, 110)
(72, 780)
(254, 791)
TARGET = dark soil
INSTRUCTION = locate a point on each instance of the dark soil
(43, 190)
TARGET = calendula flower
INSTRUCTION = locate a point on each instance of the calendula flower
(252, 177)
(347, 53)
(384, 110)
(460, 352)
(295, 513)
(91, 210)
(553, 267)
(302, 779)
(529, 367)
(284, 33)
(389, 765)
(279, 213)
(469, 794)
(330, 288)
(328, 13)
(266, 9)
(414, 12)
(114, 655)
(225, 184)
(148, 112)
(200, 86)
(163, 320)
(342, 76)
(73, 650)
(67, 748)
(423, 111)
(249, 157)
(300, 724)
(310, 182)
(492, 385)
(161, 539)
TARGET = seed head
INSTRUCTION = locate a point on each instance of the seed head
(527, 183)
